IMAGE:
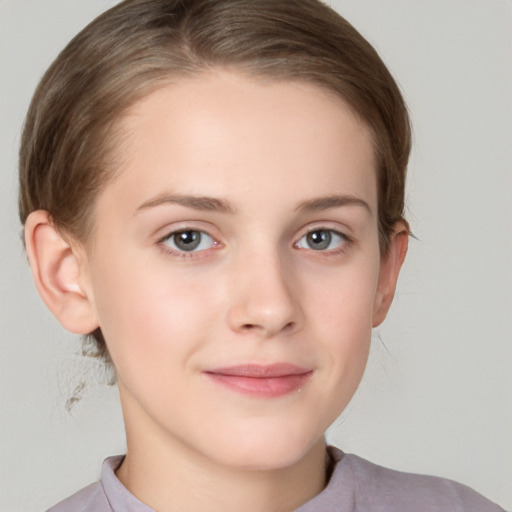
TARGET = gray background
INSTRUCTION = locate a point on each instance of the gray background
(437, 396)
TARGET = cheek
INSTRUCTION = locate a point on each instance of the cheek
(151, 315)
(343, 308)
(344, 297)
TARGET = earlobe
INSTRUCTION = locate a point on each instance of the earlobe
(390, 266)
(58, 274)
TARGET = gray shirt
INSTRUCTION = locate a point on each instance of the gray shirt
(356, 485)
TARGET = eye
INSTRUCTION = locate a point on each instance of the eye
(188, 240)
(321, 240)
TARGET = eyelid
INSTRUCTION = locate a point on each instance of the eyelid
(181, 227)
(343, 230)
(168, 231)
(184, 225)
(346, 239)
(173, 233)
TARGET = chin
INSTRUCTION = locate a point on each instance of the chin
(266, 453)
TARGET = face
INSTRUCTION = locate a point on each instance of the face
(235, 267)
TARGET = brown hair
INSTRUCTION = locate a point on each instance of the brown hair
(66, 153)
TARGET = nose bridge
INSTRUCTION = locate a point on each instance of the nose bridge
(263, 297)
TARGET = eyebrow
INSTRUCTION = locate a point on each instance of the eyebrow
(202, 203)
(205, 203)
(333, 201)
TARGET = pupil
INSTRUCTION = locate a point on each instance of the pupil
(319, 240)
(187, 240)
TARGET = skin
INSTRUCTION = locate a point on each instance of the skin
(266, 155)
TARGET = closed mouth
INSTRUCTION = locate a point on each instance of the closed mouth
(266, 381)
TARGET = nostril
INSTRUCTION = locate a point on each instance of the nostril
(289, 326)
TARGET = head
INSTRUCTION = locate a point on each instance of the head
(68, 147)
(79, 133)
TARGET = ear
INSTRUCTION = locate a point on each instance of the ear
(390, 265)
(58, 270)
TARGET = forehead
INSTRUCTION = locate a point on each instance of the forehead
(222, 134)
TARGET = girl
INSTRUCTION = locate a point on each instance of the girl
(213, 190)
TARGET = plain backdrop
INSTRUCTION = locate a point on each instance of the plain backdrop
(437, 396)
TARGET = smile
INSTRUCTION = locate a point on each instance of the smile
(265, 381)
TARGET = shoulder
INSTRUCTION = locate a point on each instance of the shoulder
(379, 488)
(90, 499)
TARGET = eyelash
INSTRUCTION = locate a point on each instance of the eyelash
(182, 253)
(344, 242)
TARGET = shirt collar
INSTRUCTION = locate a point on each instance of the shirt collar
(337, 495)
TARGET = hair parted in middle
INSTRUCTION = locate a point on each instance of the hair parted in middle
(69, 142)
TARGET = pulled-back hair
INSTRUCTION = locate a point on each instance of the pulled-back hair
(68, 145)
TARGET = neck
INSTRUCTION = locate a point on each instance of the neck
(178, 479)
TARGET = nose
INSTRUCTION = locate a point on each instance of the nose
(262, 300)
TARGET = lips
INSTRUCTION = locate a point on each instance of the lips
(266, 381)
